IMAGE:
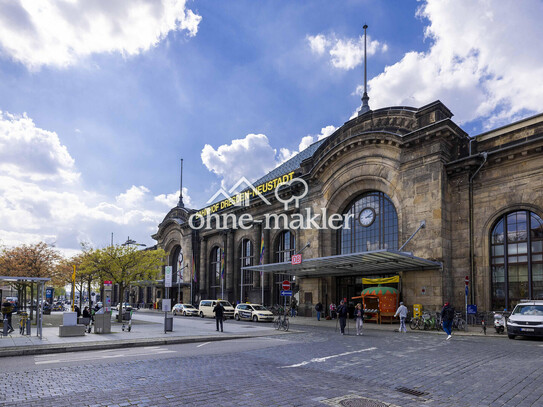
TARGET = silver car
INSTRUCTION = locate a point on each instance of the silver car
(185, 310)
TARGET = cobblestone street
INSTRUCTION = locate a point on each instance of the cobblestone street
(298, 369)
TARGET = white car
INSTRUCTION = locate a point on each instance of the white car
(185, 310)
(253, 312)
(526, 319)
(126, 307)
(206, 308)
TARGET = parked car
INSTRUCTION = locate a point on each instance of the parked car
(253, 312)
(206, 308)
(126, 307)
(526, 319)
(185, 310)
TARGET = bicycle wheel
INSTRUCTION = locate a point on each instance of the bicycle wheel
(413, 324)
(276, 323)
(461, 324)
(285, 325)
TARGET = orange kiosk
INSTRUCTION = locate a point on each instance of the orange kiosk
(380, 303)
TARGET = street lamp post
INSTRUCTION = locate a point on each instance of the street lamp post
(129, 242)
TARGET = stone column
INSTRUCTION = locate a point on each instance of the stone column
(230, 256)
(257, 236)
(204, 280)
(267, 278)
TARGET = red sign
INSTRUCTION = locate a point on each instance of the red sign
(286, 285)
(296, 259)
(466, 280)
(108, 282)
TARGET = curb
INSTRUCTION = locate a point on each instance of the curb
(131, 343)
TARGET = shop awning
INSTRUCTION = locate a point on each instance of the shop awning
(360, 264)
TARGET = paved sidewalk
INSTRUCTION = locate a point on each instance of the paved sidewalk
(148, 330)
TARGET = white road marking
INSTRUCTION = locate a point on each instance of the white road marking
(39, 360)
(324, 359)
(202, 344)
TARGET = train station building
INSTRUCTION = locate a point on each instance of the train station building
(398, 191)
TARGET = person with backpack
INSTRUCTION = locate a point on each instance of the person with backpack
(318, 308)
(447, 316)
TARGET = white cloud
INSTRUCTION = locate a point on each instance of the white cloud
(249, 157)
(58, 33)
(345, 53)
(486, 67)
(42, 198)
(171, 200)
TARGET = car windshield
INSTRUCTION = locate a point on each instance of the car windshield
(259, 308)
(225, 304)
(528, 310)
(188, 306)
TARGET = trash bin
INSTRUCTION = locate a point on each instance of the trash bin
(127, 315)
(169, 324)
(417, 310)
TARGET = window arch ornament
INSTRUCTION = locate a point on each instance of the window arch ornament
(215, 265)
(371, 224)
(516, 259)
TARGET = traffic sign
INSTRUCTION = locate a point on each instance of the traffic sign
(296, 259)
(286, 293)
(466, 280)
(466, 291)
(286, 285)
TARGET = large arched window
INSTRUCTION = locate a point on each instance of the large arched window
(215, 265)
(285, 247)
(371, 224)
(516, 259)
(247, 260)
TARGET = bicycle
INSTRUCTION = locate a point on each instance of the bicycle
(428, 321)
(281, 322)
(23, 322)
(459, 322)
(416, 323)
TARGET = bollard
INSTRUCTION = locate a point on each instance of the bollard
(28, 326)
(5, 329)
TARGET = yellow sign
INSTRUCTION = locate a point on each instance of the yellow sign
(244, 197)
(395, 279)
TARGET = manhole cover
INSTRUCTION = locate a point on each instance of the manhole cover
(354, 400)
(360, 402)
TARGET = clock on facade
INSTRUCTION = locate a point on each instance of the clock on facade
(366, 217)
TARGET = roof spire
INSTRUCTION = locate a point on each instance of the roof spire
(365, 98)
(180, 204)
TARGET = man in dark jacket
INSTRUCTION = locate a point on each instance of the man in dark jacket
(7, 310)
(318, 308)
(342, 313)
(219, 314)
(447, 316)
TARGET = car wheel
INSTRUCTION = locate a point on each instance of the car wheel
(511, 336)
(201, 314)
(236, 317)
(255, 318)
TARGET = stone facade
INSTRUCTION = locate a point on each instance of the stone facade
(431, 171)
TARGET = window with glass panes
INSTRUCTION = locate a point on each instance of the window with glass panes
(285, 247)
(215, 266)
(516, 259)
(353, 237)
(247, 260)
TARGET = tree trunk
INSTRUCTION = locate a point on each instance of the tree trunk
(121, 293)
(32, 301)
(89, 293)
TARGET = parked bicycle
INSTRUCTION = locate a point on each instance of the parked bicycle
(459, 322)
(416, 323)
(281, 322)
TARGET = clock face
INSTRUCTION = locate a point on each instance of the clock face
(366, 217)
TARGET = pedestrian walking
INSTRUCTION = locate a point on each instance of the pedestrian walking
(293, 307)
(318, 308)
(219, 314)
(86, 313)
(342, 313)
(359, 315)
(333, 314)
(77, 311)
(7, 310)
(447, 316)
(402, 312)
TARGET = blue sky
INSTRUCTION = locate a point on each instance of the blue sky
(99, 100)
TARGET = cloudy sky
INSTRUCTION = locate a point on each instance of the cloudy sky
(99, 100)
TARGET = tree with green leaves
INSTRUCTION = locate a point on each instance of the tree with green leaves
(124, 265)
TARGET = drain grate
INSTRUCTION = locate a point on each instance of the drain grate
(353, 400)
(361, 402)
(412, 392)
